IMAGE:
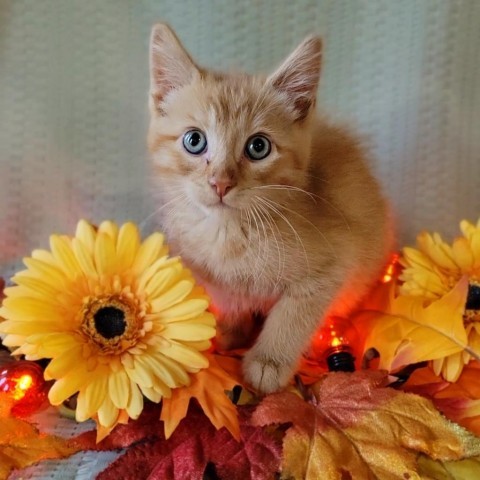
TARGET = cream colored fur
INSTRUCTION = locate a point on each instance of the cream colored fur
(300, 234)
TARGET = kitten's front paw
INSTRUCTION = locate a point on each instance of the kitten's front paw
(265, 373)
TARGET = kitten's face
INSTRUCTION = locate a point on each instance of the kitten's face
(220, 142)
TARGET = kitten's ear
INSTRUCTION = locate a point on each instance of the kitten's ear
(170, 65)
(299, 74)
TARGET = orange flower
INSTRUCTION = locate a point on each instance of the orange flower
(432, 270)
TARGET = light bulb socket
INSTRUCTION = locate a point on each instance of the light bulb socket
(341, 361)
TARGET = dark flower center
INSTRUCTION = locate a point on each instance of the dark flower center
(110, 322)
(473, 297)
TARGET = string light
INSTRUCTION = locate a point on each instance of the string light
(23, 382)
(391, 270)
(335, 345)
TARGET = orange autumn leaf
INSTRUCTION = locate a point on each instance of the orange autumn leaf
(21, 444)
(466, 469)
(459, 401)
(208, 387)
(410, 332)
(356, 427)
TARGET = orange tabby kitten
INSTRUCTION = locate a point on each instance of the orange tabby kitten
(271, 206)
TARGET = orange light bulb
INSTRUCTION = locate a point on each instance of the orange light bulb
(334, 344)
(391, 270)
(23, 384)
(23, 381)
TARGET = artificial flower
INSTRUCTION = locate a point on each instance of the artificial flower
(432, 270)
(118, 318)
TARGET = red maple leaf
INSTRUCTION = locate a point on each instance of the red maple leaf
(194, 446)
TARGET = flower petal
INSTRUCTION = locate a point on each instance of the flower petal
(86, 234)
(148, 252)
(467, 228)
(62, 251)
(26, 329)
(68, 386)
(84, 258)
(110, 228)
(64, 363)
(35, 286)
(188, 331)
(437, 250)
(452, 367)
(201, 346)
(177, 371)
(48, 273)
(105, 255)
(54, 344)
(27, 309)
(159, 277)
(12, 340)
(135, 405)
(185, 355)
(152, 394)
(128, 243)
(107, 413)
(416, 258)
(161, 371)
(45, 256)
(186, 310)
(173, 296)
(93, 395)
(119, 388)
(140, 374)
(463, 254)
(475, 246)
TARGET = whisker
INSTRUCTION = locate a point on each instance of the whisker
(262, 258)
(251, 226)
(286, 187)
(305, 219)
(144, 222)
(281, 258)
(285, 219)
(311, 195)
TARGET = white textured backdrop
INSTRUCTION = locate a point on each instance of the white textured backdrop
(73, 83)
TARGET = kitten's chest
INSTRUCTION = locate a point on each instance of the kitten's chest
(228, 253)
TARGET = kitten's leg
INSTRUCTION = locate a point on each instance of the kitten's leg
(233, 330)
(288, 329)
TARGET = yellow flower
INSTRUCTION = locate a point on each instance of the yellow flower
(433, 270)
(117, 317)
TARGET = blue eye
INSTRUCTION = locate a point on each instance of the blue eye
(258, 147)
(195, 142)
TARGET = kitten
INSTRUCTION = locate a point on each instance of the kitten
(271, 206)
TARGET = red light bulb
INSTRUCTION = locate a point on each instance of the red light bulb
(392, 269)
(23, 382)
(334, 344)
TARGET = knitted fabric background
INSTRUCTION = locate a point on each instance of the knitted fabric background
(73, 101)
(73, 95)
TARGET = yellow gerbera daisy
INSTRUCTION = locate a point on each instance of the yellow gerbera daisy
(117, 317)
(433, 270)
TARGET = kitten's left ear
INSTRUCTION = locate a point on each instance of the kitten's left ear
(299, 74)
(171, 66)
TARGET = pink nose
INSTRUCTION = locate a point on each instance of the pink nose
(221, 186)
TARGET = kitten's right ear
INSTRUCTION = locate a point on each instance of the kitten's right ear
(299, 74)
(171, 66)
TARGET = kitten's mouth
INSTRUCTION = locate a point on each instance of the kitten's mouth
(221, 204)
